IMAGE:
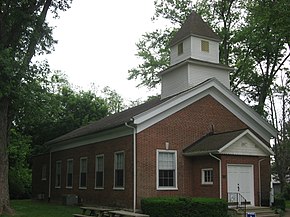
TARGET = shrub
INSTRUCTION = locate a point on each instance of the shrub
(184, 207)
(279, 203)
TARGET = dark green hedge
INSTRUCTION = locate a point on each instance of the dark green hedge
(280, 203)
(184, 207)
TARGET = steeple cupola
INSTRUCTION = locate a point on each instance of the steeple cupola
(194, 58)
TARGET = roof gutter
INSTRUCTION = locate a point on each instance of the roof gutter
(134, 164)
(220, 173)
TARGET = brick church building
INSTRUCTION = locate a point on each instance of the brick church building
(197, 140)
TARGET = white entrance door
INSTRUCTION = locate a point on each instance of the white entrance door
(241, 180)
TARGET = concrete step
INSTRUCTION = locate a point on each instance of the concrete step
(259, 211)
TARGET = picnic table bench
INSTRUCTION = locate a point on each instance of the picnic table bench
(93, 211)
(122, 213)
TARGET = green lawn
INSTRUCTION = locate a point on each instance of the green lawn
(288, 204)
(29, 208)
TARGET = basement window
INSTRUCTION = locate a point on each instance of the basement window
(204, 46)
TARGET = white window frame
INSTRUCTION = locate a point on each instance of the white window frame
(43, 172)
(115, 167)
(167, 188)
(83, 187)
(203, 181)
(103, 170)
(58, 185)
(72, 172)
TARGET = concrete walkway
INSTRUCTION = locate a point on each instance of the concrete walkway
(287, 213)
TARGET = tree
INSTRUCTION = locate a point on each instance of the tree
(253, 42)
(267, 42)
(23, 34)
(280, 117)
(114, 101)
(56, 108)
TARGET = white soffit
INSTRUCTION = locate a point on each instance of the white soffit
(215, 89)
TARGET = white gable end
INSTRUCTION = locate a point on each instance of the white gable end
(246, 144)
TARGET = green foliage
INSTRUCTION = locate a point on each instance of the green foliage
(114, 101)
(279, 203)
(55, 108)
(253, 42)
(29, 208)
(19, 172)
(184, 207)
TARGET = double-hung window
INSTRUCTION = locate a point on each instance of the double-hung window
(99, 179)
(69, 173)
(207, 176)
(83, 172)
(166, 170)
(57, 174)
(43, 173)
(119, 170)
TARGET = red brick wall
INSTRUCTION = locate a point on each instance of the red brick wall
(40, 186)
(181, 130)
(106, 196)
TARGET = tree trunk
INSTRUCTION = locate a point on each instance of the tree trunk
(4, 165)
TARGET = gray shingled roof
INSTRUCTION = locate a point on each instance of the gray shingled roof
(194, 25)
(108, 122)
(211, 143)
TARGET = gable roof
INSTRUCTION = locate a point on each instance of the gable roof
(212, 142)
(220, 93)
(218, 143)
(108, 122)
(194, 26)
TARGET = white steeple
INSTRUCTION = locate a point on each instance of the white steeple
(194, 58)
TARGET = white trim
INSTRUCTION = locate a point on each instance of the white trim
(124, 167)
(203, 182)
(91, 139)
(98, 156)
(83, 187)
(220, 93)
(252, 190)
(157, 170)
(248, 132)
(72, 160)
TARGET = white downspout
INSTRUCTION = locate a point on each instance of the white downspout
(260, 187)
(49, 177)
(134, 165)
(220, 173)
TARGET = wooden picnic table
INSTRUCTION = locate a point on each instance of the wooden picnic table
(95, 211)
(122, 213)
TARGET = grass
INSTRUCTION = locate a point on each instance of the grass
(30, 208)
(288, 204)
